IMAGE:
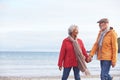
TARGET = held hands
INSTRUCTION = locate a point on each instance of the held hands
(89, 59)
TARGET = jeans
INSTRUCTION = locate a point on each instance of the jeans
(105, 68)
(66, 72)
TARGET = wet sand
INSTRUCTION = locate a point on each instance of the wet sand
(92, 77)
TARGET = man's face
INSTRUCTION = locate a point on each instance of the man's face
(103, 26)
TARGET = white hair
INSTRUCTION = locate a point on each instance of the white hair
(71, 28)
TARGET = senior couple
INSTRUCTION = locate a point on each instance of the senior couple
(73, 54)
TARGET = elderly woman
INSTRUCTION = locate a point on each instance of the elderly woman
(72, 55)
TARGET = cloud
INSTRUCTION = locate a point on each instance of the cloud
(43, 24)
(30, 40)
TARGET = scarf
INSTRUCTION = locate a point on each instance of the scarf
(100, 40)
(80, 57)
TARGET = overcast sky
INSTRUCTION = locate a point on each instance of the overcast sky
(41, 25)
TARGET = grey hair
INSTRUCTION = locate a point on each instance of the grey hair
(71, 28)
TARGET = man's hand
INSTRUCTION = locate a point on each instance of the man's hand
(113, 64)
(60, 68)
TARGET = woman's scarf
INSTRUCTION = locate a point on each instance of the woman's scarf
(80, 57)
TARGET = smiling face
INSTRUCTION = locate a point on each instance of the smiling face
(103, 26)
(75, 32)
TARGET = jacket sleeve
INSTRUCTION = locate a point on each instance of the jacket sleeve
(62, 54)
(95, 47)
(83, 49)
(114, 47)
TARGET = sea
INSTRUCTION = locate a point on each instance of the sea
(41, 64)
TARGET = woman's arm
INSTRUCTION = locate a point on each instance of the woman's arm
(62, 54)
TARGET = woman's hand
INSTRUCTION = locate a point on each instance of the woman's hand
(60, 68)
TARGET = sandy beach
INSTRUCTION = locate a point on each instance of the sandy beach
(92, 77)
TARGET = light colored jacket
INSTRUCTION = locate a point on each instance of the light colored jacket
(109, 50)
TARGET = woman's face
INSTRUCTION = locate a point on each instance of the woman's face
(75, 32)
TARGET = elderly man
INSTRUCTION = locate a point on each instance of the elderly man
(106, 48)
